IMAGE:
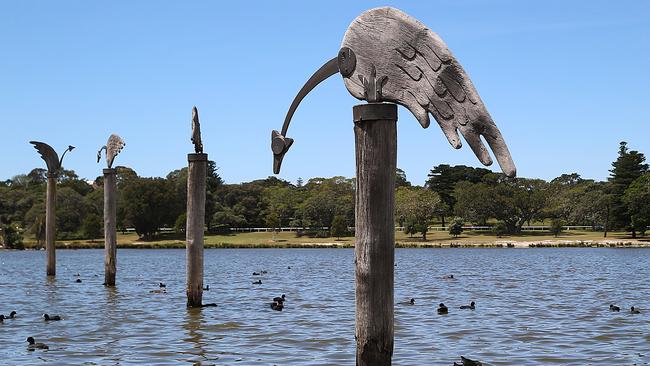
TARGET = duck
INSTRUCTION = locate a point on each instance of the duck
(634, 310)
(47, 317)
(258, 282)
(206, 288)
(162, 285)
(614, 308)
(11, 315)
(412, 302)
(279, 299)
(442, 309)
(471, 306)
(288, 267)
(78, 280)
(34, 346)
(2, 318)
(264, 272)
(278, 306)
(209, 305)
(468, 362)
(256, 274)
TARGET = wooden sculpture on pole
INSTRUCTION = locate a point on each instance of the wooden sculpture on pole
(113, 147)
(53, 170)
(196, 185)
(388, 56)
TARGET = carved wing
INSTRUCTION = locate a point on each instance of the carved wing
(114, 145)
(196, 131)
(423, 76)
(48, 154)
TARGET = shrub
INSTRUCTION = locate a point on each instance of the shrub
(456, 227)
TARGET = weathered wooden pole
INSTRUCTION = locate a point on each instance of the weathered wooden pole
(110, 227)
(196, 184)
(375, 131)
(50, 224)
(113, 146)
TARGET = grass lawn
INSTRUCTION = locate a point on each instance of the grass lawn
(434, 239)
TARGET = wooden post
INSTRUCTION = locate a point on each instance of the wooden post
(196, 185)
(110, 230)
(50, 224)
(375, 130)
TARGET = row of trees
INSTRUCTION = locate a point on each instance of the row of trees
(470, 195)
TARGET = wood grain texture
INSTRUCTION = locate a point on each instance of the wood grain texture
(110, 228)
(50, 224)
(376, 151)
(421, 74)
(196, 185)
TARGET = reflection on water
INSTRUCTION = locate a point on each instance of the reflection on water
(534, 307)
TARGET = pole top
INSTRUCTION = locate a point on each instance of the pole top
(374, 112)
(197, 157)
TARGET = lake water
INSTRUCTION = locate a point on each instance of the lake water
(534, 307)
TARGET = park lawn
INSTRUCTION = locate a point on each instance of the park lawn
(290, 240)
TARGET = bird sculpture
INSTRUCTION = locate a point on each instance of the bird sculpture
(196, 132)
(50, 156)
(113, 147)
(388, 56)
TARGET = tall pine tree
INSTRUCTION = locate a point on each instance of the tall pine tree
(628, 167)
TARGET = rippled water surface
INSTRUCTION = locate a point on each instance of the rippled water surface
(534, 307)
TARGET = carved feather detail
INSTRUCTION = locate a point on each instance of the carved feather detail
(424, 77)
(49, 155)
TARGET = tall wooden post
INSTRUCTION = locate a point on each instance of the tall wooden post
(110, 230)
(50, 224)
(196, 185)
(375, 130)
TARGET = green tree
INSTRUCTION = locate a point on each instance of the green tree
(418, 206)
(400, 179)
(339, 226)
(92, 226)
(456, 227)
(12, 238)
(181, 223)
(626, 169)
(556, 227)
(149, 204)
(443, 179)
(637, 200)
(273, 222)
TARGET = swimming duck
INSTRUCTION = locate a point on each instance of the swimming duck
(412, 302)
(53, 317)
(467, 362)
(614, 308)
(265, 272)
(34, 346)
(449, 277)
(206, 288)
(162, 285)
(471, 306)
(10, 316)
(633, 310)
(442, 309)
(258, 282)
(256, 273)
(279, 299)
(2, 318)
(288, 267)
(210, 305)
(78, 280)
(278, 306)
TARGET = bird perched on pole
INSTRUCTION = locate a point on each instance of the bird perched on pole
(113, 147)
(388, 56)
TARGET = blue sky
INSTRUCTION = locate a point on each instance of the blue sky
(565, 81)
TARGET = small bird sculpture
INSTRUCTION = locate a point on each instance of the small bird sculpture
(113, 147)
(388, 56)
(50, 156)
(196, 131)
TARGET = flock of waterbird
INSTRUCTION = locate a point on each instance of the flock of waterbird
(277, 305)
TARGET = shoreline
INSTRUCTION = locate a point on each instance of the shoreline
(510, 244)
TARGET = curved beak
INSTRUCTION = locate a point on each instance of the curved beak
(279, 143)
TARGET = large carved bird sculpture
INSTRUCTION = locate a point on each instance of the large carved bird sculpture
(50, 156)
(388, 56)
(113, 147)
